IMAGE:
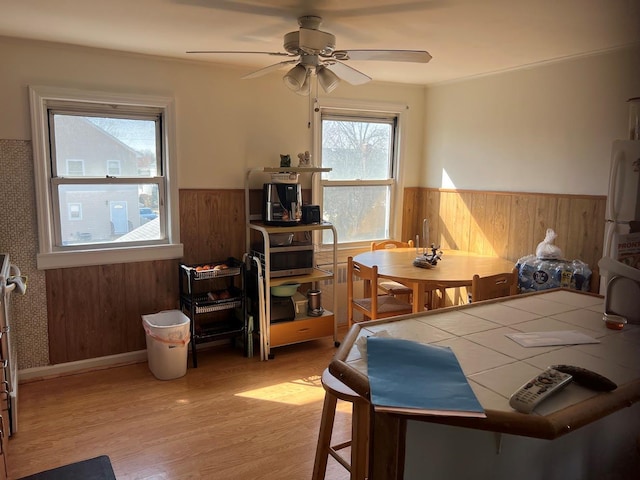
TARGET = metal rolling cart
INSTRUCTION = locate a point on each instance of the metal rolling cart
(213, 296)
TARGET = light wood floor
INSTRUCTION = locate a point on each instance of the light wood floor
(231, 418)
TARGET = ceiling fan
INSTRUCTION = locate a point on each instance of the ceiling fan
(312, 52)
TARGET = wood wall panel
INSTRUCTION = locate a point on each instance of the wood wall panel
(111, 312)
(478, 241)
(97, 311)
(56, 316)
(411, 202)
(584, 230)
(521, 226)
(497, 217)
(212, 225)
(509, 224)
(432, 214)
(545, 217)
(446, 222)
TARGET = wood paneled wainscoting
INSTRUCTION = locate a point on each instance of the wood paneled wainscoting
(508, 224)
(96, 311)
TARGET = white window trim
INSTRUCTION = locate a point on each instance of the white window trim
(349, 105)
(47, 256)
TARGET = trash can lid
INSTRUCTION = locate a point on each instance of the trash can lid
(166, 318)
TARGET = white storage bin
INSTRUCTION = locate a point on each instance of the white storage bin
(167, 335)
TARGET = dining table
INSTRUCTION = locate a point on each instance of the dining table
(456, 268)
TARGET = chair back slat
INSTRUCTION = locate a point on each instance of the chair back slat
(494, 286)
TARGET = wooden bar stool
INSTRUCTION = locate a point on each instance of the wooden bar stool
(336, 390)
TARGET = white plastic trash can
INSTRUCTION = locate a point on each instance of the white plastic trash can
(168, 336)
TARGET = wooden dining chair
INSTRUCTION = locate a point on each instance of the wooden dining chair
(389, 286)
(494, 286)
(372, 306)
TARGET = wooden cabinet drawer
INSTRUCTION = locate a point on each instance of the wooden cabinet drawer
(301, 330)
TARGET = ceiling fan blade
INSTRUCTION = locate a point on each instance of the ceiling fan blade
(270, 68)
(348, 74)
(275, 54)
(417, 56)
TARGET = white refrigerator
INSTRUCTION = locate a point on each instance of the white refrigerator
(620, 282)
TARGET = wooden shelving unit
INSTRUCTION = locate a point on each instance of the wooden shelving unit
(303, 328)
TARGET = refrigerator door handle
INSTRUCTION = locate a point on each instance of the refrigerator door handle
(613, 184)
(609, 229)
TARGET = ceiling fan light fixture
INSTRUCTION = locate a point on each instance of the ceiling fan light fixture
(305, 88)
(327, 79)
(294, 78)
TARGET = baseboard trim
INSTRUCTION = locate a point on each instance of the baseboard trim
(70, 368)
(81, 366)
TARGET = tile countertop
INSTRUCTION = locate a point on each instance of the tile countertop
(496, 366)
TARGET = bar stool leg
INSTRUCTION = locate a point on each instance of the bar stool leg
(359, 440)
(324, 437)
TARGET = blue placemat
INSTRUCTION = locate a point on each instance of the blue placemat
(407, 376)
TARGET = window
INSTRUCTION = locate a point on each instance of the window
(113, 168)
(360, 145)
(75, 168)
(75, 211)
(100, 158)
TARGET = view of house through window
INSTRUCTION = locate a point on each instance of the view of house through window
(105, 175)
(106, 178)
(357, 193)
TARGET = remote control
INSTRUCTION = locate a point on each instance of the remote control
(532, 393)
(587, 378)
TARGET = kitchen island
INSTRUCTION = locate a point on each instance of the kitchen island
(577, 433)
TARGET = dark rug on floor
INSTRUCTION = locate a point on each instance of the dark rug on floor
(98, 468)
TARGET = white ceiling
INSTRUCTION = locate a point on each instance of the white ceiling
(465, 37)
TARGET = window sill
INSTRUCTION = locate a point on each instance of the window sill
(85, 258)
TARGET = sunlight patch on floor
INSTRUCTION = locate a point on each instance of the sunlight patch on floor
(301, 391)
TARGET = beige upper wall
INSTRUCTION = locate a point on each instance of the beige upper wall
(542, 129)
(224, 125)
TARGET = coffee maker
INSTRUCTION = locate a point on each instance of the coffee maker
(281, 204)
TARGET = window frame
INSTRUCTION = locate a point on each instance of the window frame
(365, 110)
(52, 255)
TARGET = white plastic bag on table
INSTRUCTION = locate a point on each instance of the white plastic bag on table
(546, 249)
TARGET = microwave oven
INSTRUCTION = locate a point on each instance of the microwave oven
(287, 261)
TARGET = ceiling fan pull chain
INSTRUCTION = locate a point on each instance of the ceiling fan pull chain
(313, 99)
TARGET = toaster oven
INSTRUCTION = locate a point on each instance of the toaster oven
(286, 261)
